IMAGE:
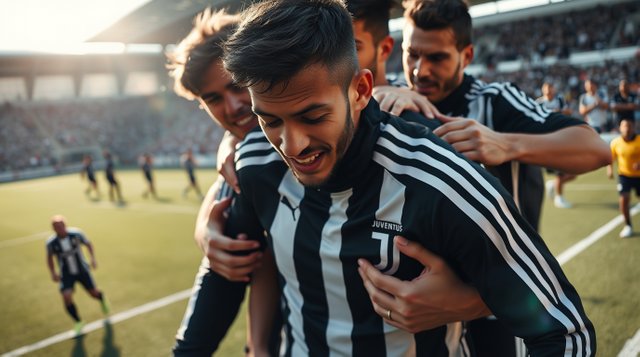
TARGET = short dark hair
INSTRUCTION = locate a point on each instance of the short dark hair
(278, 38)
(374, 14)
(441, 14)
(199, 49)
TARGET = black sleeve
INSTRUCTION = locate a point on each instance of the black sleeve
(211, 310)
(515, 112)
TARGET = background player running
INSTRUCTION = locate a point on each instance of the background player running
(87, 170)
(65, 245)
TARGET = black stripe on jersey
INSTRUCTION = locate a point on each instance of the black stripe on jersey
(516, 98)
(255, 150)
(357, 297)
(527, 101)
(307, 259)
(521, 242)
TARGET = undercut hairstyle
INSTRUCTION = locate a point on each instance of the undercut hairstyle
(198, 50)
(441, 14)
(374, 14)
(279, 38)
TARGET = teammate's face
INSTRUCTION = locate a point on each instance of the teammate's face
(366, 48)
(226, 103)
(432, 64)
(311, 121)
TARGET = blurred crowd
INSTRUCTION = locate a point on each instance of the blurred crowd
(559, 35)
(31, 133)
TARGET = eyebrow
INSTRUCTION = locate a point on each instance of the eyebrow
(209, 95)
(303, 111)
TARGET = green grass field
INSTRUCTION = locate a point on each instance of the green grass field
(145, 252)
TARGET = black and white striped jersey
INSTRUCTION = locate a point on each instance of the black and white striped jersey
(399, 178)
(68, 251)
(504, 108)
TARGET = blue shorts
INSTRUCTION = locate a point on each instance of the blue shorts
(626, 183)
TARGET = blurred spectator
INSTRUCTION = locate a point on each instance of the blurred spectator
(593, 106)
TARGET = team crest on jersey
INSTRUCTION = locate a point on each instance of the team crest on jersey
(384, 231)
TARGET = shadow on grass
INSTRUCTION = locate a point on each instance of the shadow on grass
(593, 205)
(163, 199)
(109, 349)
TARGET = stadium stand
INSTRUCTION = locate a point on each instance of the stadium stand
(563, 42)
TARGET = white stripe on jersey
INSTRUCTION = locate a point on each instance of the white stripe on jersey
(284, 237)
(515, 97)
(69, 254)
(482, 222)
(340, 322)
(390, 210)
(256, 160)
(391, 203)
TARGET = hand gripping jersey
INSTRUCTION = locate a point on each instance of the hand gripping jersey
(398, 178)
(506, 109)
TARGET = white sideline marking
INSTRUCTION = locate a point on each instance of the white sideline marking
(22, 240)
(121, 316)
(631, 347)
(594, 237)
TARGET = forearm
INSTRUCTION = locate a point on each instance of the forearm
(263, 305)
(573, 150)
(202, 219)
(52, 269)
(620, 107)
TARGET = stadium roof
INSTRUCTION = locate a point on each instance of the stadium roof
(168, 21)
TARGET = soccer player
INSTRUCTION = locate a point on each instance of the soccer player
(147, 165)
(491, 123)
(189, 162)
(338, 178)
(196, 67)
(111, 178)
(87, 170)
(625, 150)
(66, 245)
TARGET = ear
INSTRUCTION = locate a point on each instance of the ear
(467, 55)
(363, 87)
(385, 47)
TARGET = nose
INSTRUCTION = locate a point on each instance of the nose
(293, 140)
(232, 104)
(422, 69)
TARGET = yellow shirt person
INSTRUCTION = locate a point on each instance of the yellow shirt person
(625, 149)
(627, 154)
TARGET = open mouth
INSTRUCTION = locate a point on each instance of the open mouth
(307, 165)
(245, 121)
(308, 160)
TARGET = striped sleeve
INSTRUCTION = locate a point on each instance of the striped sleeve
(473, 223)
(513, 111)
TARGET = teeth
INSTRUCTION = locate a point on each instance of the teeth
(244, 121)
(308, 160)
